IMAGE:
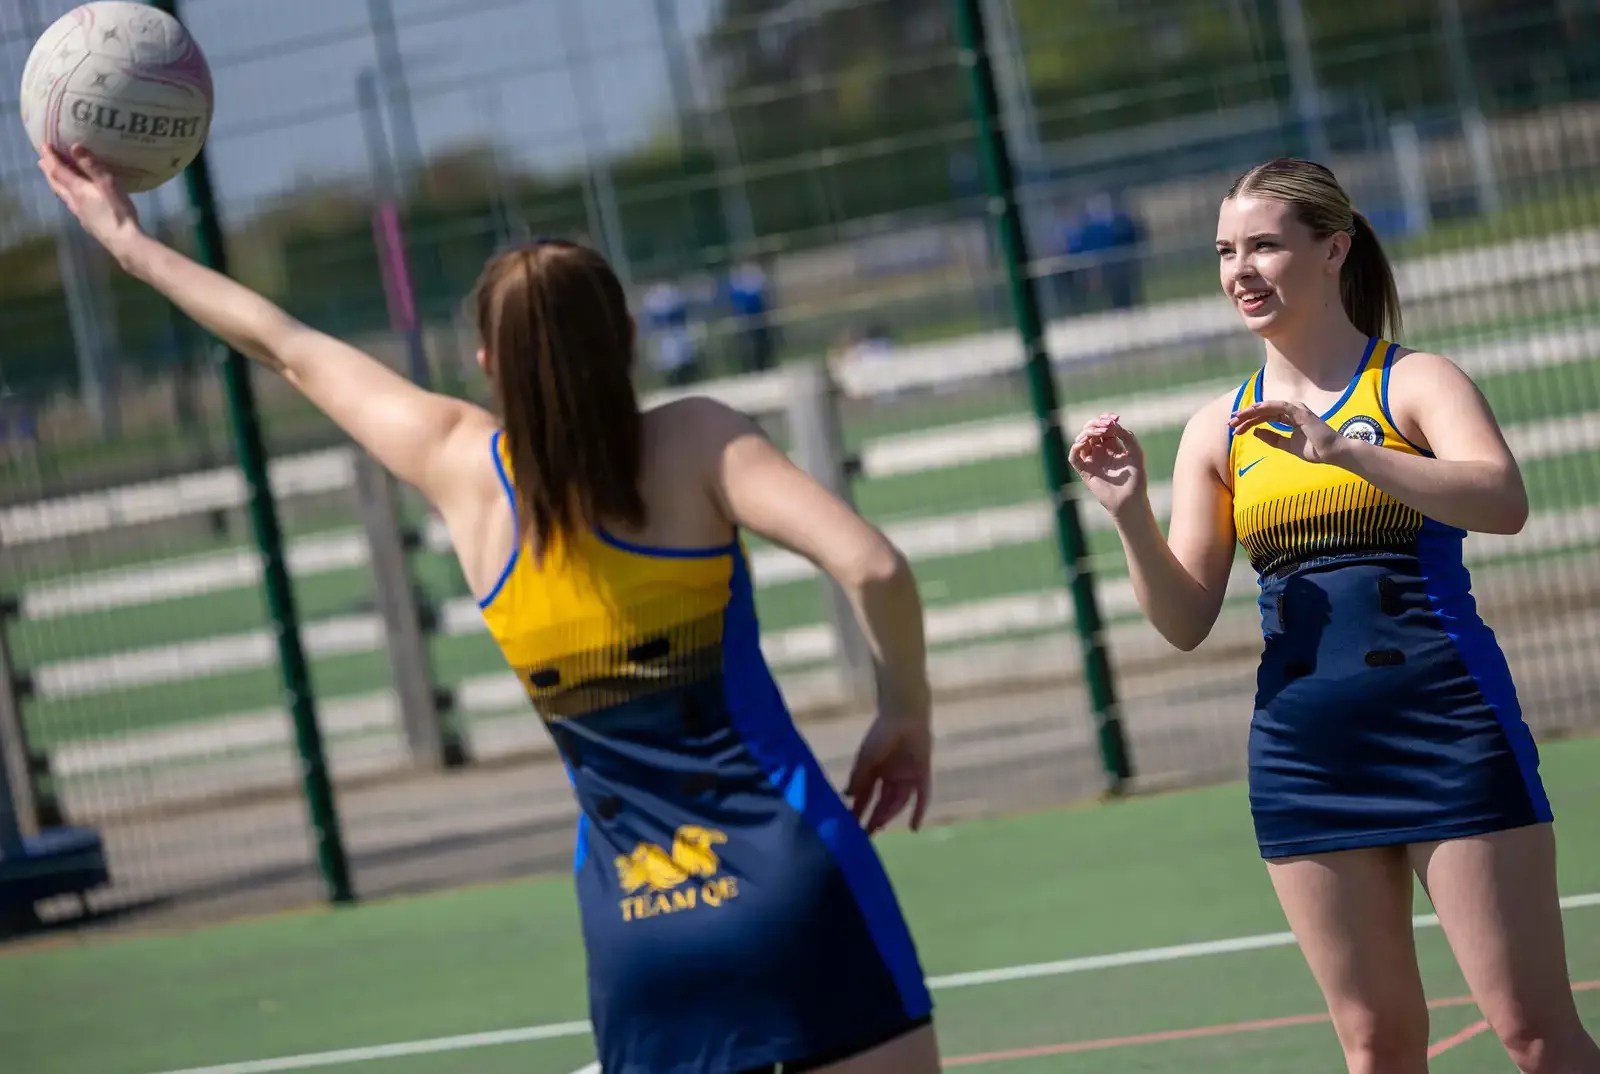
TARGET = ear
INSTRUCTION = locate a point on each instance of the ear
(1338, 249)
(483, 360)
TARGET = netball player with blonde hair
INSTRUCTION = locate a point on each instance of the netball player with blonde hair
(1386, 740)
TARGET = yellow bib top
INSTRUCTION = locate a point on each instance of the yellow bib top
(1288, 512)
(601, 621)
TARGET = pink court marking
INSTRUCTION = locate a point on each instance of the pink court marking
(1440, 1047)
(1224, 1030)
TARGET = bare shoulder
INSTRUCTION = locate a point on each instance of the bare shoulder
(1422, 363)
(710, 446)
(753, 483)
(1418, 372)
(1205, 434)
(1215, 411)
(699, 424)
(474, 422)
(1423, 381)
(697, 408)
(467, 449)
(475, 508)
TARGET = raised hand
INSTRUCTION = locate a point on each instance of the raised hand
(1309, 437)
(1109, 459)
(93, 195)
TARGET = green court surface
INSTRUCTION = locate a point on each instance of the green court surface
(1070, 909)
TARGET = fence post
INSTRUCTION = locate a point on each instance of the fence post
(23, 811)
(813, 415)
(19, 805)
(1073, 548)
(19, 808)
(433, 742)
(252, 453)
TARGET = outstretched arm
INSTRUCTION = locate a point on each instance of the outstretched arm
(409, 430)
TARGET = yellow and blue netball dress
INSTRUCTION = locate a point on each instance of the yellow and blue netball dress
(1385, 712)
(734, 912)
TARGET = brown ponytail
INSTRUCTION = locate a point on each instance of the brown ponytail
(554, 321)
(1366, 282)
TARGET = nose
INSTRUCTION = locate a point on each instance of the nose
(1243, 268)
(1234, 269)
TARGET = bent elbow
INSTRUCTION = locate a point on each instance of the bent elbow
(1510, 514)
(1517, 516)
(1513, 511)
(877, 565)
(1187, 641)
(1514, 521)
(1188, 632)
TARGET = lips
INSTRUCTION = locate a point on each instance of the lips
(1253, 301)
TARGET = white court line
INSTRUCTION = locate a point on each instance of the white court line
(1002, 975)
(399, 1050)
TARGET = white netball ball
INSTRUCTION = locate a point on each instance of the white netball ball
(126, 81)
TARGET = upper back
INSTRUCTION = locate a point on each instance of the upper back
(1288, 511)
(607, 609)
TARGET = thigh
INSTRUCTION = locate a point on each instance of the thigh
(916, 1052)
(1496, 899)
(1350, 911)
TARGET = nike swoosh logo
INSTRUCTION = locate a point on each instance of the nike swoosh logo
(1245, 469)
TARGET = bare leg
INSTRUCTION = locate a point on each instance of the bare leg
(1496, 898)
(915, 1053)
(1351, 913)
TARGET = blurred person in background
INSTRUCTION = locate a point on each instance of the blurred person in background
(1101, 263)
(750, 302)
(670, 335)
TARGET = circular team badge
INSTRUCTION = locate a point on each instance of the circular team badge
(1363, 428)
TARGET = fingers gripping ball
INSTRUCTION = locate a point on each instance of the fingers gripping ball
(124, 80)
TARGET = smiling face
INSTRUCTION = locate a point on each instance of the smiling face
(1273, 268)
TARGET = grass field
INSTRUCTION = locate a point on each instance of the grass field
(1561, 477)
(1048, 936)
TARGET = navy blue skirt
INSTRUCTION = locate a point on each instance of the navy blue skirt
(735, 915)
(1385, 712)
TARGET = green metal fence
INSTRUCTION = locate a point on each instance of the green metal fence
(851, 154)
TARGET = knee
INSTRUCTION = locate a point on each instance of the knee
(1546, 1044)
(1383, 1042)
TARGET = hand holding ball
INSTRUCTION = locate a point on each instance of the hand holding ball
(126, 82)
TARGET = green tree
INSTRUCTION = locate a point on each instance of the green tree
(839, 109)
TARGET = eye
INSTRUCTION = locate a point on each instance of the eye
(1265, 244)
